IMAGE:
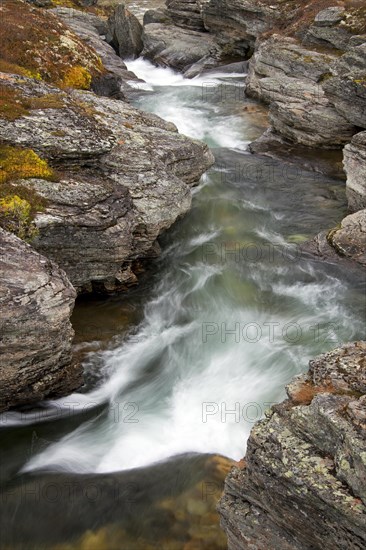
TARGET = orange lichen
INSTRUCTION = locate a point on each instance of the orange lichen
(306, 392)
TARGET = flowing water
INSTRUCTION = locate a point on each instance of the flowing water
(180, 368)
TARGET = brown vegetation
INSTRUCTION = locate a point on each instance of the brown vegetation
(35, 43)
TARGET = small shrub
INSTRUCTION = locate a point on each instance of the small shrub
(35, 43)
(15, 216)
(17, 163)
(11, 103)
(77, 77)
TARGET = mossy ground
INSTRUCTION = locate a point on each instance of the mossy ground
(35, 43)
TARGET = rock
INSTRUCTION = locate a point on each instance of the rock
(354, 160)
(286, 75)
(126, 32)
(36, 303)
(123, 178)
(186, 14)
(274, 145)
(303, 481)
(280, 58)
(237, 23)
(176, 47)
(346, 86)
(349, 240)
(344, 245)
(157, 16)
(93, 30)
(329, 17)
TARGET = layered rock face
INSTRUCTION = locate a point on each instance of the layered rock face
(302, 482)
(288, 77)
(354, 160)
(122, 177)
(36, 303)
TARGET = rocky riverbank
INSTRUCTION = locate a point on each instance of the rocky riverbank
(307, 63)
(89, 181)
(301, 484)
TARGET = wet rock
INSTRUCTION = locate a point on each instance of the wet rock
(123, 177)
(126, 31)
(176, 47)
(36, 303)
(305, 464)
(273, 145)
(354, 160)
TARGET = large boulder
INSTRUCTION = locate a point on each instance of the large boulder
(354, 160)
(349, 240)
(237, 23)
(122, 177)
(302, 483)
(36, 303)
(176, 47)
(126, 33)
(344, 245)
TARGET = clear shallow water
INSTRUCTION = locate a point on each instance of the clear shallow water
(229, 313)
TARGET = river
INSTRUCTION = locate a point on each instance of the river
(178, 369)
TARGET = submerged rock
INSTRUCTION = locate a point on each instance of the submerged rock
(302, 483)
(36, 303)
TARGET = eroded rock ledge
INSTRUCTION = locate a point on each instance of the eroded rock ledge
(302, 484)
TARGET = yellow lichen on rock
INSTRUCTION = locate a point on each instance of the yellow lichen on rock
(77, 77)
(15, 216)
(17, 163)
